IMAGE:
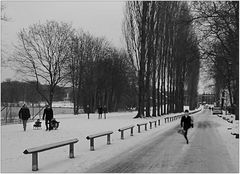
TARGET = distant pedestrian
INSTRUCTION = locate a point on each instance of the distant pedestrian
(88, 110)
(186, 123)
(100, 111)
(24, 115)
(48, 115)
(105, 111)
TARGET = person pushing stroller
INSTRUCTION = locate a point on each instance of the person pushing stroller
(48, 116)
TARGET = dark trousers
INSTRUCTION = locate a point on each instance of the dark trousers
(47, 124)
(24, 124)
(185, 134)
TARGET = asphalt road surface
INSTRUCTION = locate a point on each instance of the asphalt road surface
(170, 153)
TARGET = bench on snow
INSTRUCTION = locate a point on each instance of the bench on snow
(170, 119)
(91, 138)
(141, 124)
(155, 122)
(34, 151)
(126, 128)
(166, 119)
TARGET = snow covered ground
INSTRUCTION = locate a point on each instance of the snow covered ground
(225, 129)
(14, 141)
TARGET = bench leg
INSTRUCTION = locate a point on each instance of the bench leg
(71, 150)
(155, 123)
(92, 144)
(34, 161)
(159, 122)
(122, 135)
(132, 131)
(145, 127)
(150, 125)
(138, 129)
(108, 139)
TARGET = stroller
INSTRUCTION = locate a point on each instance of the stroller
(37, 124)
(54, 124)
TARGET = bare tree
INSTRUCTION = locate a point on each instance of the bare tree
(219, 23)
(159, 38)
(43, 53)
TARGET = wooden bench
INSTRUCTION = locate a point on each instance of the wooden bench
(91, 138)
(34, 151)
(155, 121)
(166, 119)
(141, 124)
(126, 128)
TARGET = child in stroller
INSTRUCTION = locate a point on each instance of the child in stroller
(54, 124)
(37, 124)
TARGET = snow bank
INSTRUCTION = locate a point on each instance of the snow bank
(225, 129)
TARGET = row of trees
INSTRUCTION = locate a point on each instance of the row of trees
(218, 25)
(55, 54)
(163, 48)
(101, 74)
(15, 92)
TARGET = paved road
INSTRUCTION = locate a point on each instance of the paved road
(170, 153)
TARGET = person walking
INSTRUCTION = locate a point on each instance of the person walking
(48, 115)
(88, 110)
(100, 111)
(105, 111)
(24, 115)
(186, 123)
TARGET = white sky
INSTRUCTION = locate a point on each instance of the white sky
(100, 18)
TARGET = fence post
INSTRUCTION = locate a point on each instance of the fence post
(122, 136)
(34, 161)
(108, 139)
(132, 131)
(71, 150)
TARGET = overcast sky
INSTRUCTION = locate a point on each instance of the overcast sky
(100, 18)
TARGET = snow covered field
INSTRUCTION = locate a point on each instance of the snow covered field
(229, 140)
(14, 141)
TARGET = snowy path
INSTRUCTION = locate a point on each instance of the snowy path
(168, 152)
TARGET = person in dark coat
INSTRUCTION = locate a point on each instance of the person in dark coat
(186, 123)
(24, 115)
(88, 110)
(105, 111)
(100, 111)
(48, 115)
